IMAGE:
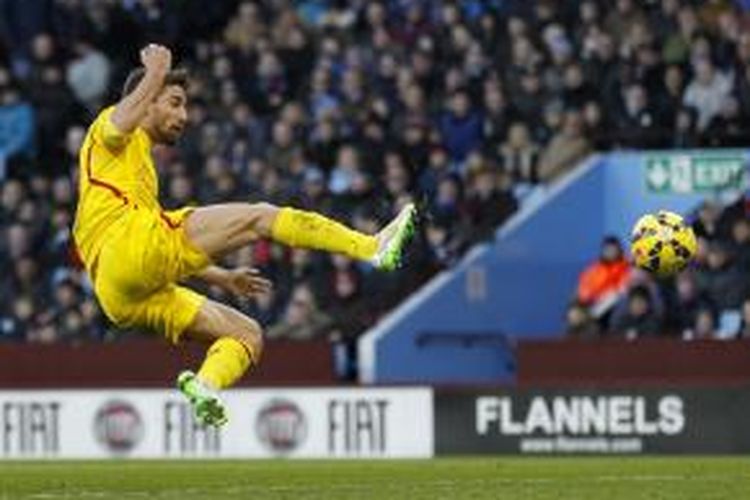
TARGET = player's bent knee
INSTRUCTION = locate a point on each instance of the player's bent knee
(261, 217)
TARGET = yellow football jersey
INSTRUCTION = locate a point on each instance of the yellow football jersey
(116, 174)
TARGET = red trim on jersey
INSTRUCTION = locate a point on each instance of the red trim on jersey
(74, 254)
(170, 223)
(100, 183)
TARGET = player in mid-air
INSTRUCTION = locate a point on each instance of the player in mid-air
(136, 254)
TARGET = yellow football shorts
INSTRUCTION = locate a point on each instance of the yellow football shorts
(138, 268)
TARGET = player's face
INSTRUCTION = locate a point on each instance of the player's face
(169, 114)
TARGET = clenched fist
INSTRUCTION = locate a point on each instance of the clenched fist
(156, 58)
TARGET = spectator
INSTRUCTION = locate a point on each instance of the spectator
(282, 146)
(345, 171)
(16, 126)
(576, 91)
(448, 203)
(685, 134)
(727, 129)
(88, 75)
(519, 155)
(13, 194)
(704, 326)
(676, 47)
(397, 177)
(579, 322)
(19, 242)
(23, 318)
(313, 193)
(461, 127)
(443, 245)
(638, 317)
(437, 168)
(180, 192)
(706, 226)
(53, 101)
(601, 282)
(707, 91)
(565, 149)
(489, 201)
(531, 97)
(302, 319)
(497, 113)
(25, 279)
(603, 66)
(738, 209)
(637, 123)
(623, 17)
(597, 123)
(684, 303)
(345, 288)
(721, 278)
(670, 98)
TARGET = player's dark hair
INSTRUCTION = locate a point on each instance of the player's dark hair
(177, 76)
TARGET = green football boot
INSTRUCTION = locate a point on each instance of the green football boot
(394, 237)
(208, 408)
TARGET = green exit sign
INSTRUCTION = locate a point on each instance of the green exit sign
(695, 173)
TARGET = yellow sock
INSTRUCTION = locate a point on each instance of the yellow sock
(299, 228)
(226, 361)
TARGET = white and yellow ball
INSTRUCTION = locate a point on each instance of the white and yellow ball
(662, 243)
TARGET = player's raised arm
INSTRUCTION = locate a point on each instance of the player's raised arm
(157, 61)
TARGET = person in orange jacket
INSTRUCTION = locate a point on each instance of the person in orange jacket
(602, 281)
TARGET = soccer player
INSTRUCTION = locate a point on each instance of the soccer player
(136, 253)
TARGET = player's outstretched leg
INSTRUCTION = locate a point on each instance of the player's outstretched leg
(236, 345)
(236, 339)
(219, 229)
(299, 228)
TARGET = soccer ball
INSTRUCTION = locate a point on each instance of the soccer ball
(662, 243)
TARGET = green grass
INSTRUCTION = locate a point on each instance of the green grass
(651, 478)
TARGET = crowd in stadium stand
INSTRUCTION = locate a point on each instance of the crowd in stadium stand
(351, 108)
(710, 299)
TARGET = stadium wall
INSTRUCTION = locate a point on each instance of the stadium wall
(644, 362)
(461, 325)
(149, 362)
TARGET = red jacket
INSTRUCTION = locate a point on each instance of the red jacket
(601, 279)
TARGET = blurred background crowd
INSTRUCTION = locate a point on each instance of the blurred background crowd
(710, 299)
(353, 108)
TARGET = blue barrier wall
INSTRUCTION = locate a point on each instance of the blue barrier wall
(460, 327)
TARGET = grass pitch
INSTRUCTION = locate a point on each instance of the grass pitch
(631, 478)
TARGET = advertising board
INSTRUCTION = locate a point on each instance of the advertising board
(632, 421)
(294, 423)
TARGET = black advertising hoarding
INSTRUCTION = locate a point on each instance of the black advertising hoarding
(568, 421)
